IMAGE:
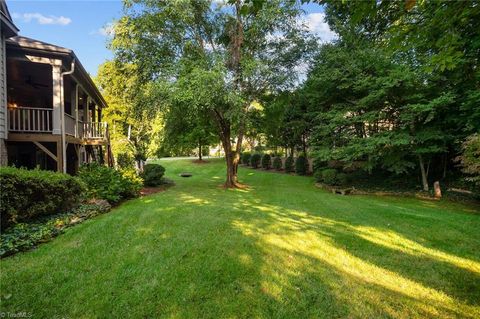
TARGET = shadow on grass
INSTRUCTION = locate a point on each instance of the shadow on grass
(200, 251)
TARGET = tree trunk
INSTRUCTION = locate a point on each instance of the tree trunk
(199, 151)
(424, 174)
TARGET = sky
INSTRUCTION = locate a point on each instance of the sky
(82, 25)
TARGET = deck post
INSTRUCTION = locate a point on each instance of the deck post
(76, 111)
(60, 158)
(57, 87)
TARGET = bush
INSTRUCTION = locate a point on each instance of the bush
(109, 184)
(327, 176)
(132, 182)
(152, 174)
(266, 161)
(125, 161)
(255, 160)
(342, 179)
(289, 164)
(246, 158)
(301, 165)
(277, 163)
(27, 194)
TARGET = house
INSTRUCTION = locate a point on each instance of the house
(7, 30)
(52, 110)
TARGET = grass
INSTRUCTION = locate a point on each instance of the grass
(281, 248)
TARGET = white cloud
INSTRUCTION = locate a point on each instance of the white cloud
(107, 30)
(42, 19)
(316, 23)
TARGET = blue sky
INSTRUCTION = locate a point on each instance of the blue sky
(80, 25)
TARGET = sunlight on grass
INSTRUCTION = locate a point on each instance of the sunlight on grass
(279, 249)
(288, 235)
(394, 241)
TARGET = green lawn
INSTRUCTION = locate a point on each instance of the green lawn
(281, 249)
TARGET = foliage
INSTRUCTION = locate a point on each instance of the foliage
(342, 178)
(27, 194)
(255, 160)
(217, 60)
(109, 184)
(153, 174)
(125, 161)
(301, 165)
(398, 90)
(327, 176)
(134, 109)
(470, 158)
(277, 163)
(289, 162)
(132, 183)
(266, 161)
(24, 236)
(246, 158)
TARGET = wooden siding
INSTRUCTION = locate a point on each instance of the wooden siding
(3, 88)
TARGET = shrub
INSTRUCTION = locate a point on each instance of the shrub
(342, 179)
(132, 182)
(329, 176)
(125, 161)
(255, 160)
(27, 194)
(153, 174)
(246, 158)
(109, 184)
(277, 163)
(289, 164)
(266, 161)
(301, 165)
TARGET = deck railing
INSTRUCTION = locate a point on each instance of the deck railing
(95, 130)
(40, 120)
(30, 119)
(70, 125)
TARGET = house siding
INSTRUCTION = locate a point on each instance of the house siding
(3, 88)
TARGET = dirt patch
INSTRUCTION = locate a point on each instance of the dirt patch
(200, 161)
(152, 190)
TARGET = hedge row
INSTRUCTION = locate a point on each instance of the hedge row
(299, 165)
(27, 194)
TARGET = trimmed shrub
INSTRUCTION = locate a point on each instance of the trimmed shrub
(266, 161)
(329, 176)
(27, 194)
(342, 179)
(301, 165)
(289, 164)
(255, 160)
(277, 163)
(107, 183)
(153, 174)
(246, 158)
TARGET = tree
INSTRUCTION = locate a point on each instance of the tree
(186, 130)
(470, 159)
(133, 112)
(427, 51)
(224, 57)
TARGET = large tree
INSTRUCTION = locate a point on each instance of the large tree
(134, 109)
(222, 56)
